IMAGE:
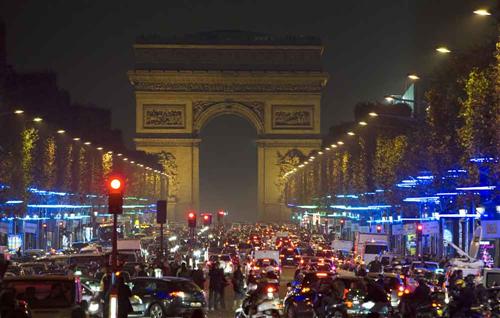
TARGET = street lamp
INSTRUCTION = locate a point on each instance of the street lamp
(443, 50)
(373, 114)
(18, 111)
(61, 131)
(37, 119)
(413, 77)
(363, 123)
(482, 12)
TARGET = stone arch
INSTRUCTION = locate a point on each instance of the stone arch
(204, 112)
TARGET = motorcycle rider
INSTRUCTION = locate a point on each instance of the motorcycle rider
(463, 298)
(328, 292)
(375, 294)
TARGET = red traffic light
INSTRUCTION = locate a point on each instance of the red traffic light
(191, 215)
(115, 184)
(342, 221)
(379, 228)
(420, 227)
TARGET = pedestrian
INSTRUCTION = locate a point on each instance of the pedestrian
(220, 288)
(183, 271)
(212, 286)
(375, 266)
(238, 282)
(139, 271)
(124, 294)
(198, 276)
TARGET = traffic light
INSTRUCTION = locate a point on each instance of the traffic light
(192, 220)
(115, 195)
(342, 221)
(220, 215)
(420, 229)
(379, 228)
(207, 219)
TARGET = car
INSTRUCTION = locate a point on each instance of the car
(167, 297)
(289, 256)
(425, 266)
(54, 296)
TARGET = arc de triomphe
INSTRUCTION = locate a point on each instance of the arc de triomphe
(182, 83)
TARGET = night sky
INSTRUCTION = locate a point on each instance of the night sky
(370, 46)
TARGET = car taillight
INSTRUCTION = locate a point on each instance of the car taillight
(401, 289)
(321, 274)
(282, 255)
(276, 268)
(271, 289)
(305, 290)
(407, 291)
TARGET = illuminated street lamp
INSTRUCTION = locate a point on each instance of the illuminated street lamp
(61, 131)
(76, 139)
(363, 123)
(413, 77)
(373, 114)
(351, 133)
(443, 50)
(18, 111)
(340, 142)
(482, 12)
(37, 119)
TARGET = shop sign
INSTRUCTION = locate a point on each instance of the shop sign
(491, 229)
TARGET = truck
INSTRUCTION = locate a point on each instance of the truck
(370, 245)
(342, 245)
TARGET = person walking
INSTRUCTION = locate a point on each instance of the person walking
(213, 285)
(238, 282)
(183, 271)
(221, 301)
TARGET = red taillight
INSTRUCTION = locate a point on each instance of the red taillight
(407, 291)
(322, 275)
(276, 268)
(271, 289)
(401, 288)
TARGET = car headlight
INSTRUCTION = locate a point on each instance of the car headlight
(93, 307)
(368, 305)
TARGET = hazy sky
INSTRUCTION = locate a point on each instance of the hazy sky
(370, 46)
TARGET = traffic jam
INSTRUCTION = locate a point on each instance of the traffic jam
(241, 270)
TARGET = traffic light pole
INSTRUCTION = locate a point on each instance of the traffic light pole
(161, 241)
(114, 252)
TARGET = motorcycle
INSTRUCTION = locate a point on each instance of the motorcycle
(262, 304)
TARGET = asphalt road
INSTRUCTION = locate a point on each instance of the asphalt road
(286, 276)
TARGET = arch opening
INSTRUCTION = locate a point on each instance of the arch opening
(228, 166)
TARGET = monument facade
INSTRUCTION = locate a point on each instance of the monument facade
(182, 83)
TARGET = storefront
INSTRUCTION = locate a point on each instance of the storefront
(489, 248)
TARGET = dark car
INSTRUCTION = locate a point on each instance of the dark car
(289, 256)
(167, 297)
